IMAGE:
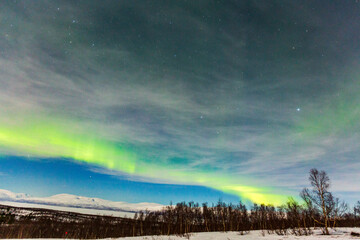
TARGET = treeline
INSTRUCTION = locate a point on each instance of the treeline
(183, 218)
(318, 209)
(16, 222)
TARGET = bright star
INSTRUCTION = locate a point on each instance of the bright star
(298, 109)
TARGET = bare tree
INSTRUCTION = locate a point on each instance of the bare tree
(319, 199)
(357, 209)
(339, 210)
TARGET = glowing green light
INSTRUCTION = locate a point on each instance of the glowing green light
(49, 138)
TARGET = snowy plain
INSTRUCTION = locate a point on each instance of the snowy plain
(113, 213)
(339, 234)
(78, 204)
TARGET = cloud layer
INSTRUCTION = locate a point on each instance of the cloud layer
(242, 97)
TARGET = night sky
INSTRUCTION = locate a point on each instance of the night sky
(165, 101)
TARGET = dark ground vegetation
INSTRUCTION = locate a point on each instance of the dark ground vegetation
(181, 219)
(319, 210)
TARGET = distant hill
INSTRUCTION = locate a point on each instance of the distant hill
(73, 201)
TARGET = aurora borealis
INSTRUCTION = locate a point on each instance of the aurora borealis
(221, 99)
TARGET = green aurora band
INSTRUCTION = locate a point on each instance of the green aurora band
(55, 137)
(49, 138)
(338, 117)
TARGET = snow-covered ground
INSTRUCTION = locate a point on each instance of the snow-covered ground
(73, 203)
(114, 213)
(340, 234)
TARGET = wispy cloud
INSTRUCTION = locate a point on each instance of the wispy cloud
(189, 94)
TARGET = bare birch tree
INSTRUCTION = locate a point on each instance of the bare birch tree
(319, 199)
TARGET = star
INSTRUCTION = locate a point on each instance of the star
(298, 109)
